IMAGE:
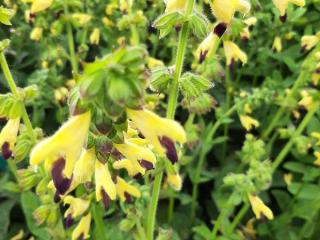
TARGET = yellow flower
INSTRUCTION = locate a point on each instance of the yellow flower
(84, 167)
(82, 18)
(248, 122)
(317, 161)
(245, 33)
(77, 207)
(316, 135)
(174, 181)
(6, 15)
(18, 236)
(282, 5)
(40, 5)
(8, 137)
(36, 34)
(153, 63)
(309, 41)
(306, 101)
(207, 46)
(63, 149)
(288, 35)
(110, 7)
(277, 44)
(175, 5)
(249, 230)
(105, 187)
(125, 190)
(107, 22)
(247, 108)
(83, 228)
(288, 178)
(234, 53)
(317, 55)
(251, 21)
(259, 208)
(160, 132)
(95, 36)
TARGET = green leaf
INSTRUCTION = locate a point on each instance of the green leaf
(203, 231)
(305, 190)
(29, 202)
(198, 24)
(5, 209)
(99, 230)
(6, 15)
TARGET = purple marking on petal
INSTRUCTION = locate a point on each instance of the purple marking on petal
(6, 151)
(61, 183)
(220, 29)
(81, 237)
(141, 135)
(145, 164)
(116, 154)
(128, 197)
(105, 199)
(318, 71)
(231, 65)
(178, 28)
(171, 152)
(138, 176)
(283, 18)
(56, 197)
(68, 221)
(202, 56)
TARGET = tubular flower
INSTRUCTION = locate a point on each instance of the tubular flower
(282, 6)
(141, 157)
(206, 47)
(36, 34)
(107, 22)
(105, 188)
(125, 190)
(306, 101)
(233, 53)
(95, 36)
(83, 228)
(288, 178)
(82, 18)
(175, 5)
(153, 63)
(62, 150)
(316, 135)
(84, 167)
(245, 33)
(251, 21)
(174, 181)
(225, 10)
(160, 132)
(249, 230)
(77, 207)
(259, 208)
(40, 5)
(317, 161)
(8, 137)
(309, 41)
(277, 44)
(248, 122)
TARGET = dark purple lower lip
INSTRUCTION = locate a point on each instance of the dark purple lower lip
(61, 183)
(105, 199)
(220, 29)
(6, 151)
(171, 152)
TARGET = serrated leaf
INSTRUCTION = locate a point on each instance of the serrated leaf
(159, 79)
(198, 24)
(200, 105)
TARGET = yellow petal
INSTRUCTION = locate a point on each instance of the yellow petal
(259, 208)
(175, 5)
(83, 228)
(95, 36)
(36, 34)
(40, 5)
(174, 181)
(234, 53)
(84, 167)
(224, 10)
(248, 122)
(277, 44)
(309, 41)
(77, 206)
(104, 181)
(124, 187)
(9, 132)
(133, 167)
(206, 47)
(82, 18)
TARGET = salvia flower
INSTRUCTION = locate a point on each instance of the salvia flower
(245, 33)
(224, 11)
(248, 122)
(84, 167)
(310, 41)
(175, 5)
(316, 135)
(95, 36)
(277, 44)
(317, 161)
(141, 157)
(36, 34)
(282, 6)
(234, 53)
(83, 228)
(174, 181)
(125, 190)
(287, 177)
(82, 18)
(77, 207)
(306, 101)
(105, 187)
(40, 5)
(207, 46)
(8, 137)
(162, 133)
(62, 150)
(259, 208)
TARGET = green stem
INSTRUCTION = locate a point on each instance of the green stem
(134, 35)
(203, 153)
(238, 217)
(73, 58)
(98, 220)
(171, 206)
(154, 205)
(228, 102)
(14, 90)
